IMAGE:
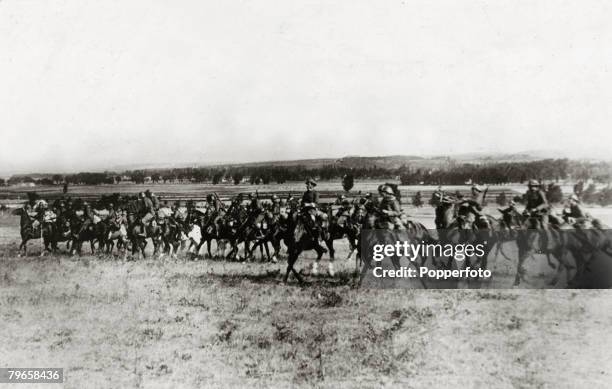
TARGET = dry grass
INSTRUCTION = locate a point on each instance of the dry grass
(197, 324)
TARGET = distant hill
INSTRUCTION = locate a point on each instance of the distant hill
(397, 161)
(388, 162)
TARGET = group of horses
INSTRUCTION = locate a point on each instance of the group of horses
(230, 226)
(237, 224)
(573, 245)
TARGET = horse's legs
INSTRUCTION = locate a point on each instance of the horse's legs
(352, 247)
(290, 267)
(267, 251)
(143, 247)
(247, 250)
(208, 247)
(24, 246)
(290, 262)
(330, 246)
(523, 253)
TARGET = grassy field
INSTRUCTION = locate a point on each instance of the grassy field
(210, 323)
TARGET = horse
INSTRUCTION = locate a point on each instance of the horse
(375, 230)
(137, 235)
(342, 226)
(210, 230)
(230, 228)
(84, 233)
(61, 233)
(581, 243)
(171, 238)
(298, 239)
(154, 231)
(455, 229)
(113, 232)
(273, 231)
(30, 231)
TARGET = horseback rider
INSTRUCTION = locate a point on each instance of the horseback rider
(254, 209)
(111, 211)
(537, 207)
(444, 202)
(536, 203)
(154, 200)
(472, 206)
(309, 211)
(437, 196)
(509, 214)
(276, 205)
(575, 213)
(345, 207)
(391, 210)
(148, 211)
(254, 204)
(88, 216)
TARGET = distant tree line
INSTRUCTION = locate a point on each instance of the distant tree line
(491, 173)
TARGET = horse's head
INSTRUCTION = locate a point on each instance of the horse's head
(370, 221)
(18, 211)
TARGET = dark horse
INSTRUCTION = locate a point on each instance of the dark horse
(29, 231)
(298, 239)
(344, 225)
(373, 232)
(453, 229)
(581, 243)
(136, 235)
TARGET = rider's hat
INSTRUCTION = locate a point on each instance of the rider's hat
(310, 181)
(275, 198)
(388, 190)
(533, 183)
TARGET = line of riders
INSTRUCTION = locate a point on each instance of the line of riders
(538, 214)
(130, 221)
(302, 224)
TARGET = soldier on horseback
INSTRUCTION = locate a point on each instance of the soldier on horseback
(509, 214)
(537, 208)
(88, 217)
(276, 206)
(390, 209)
(345, 207)
(148, 209)
(470, 210)
(309, 211)
(575, 214)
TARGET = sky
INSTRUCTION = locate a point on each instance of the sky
(90, 85)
